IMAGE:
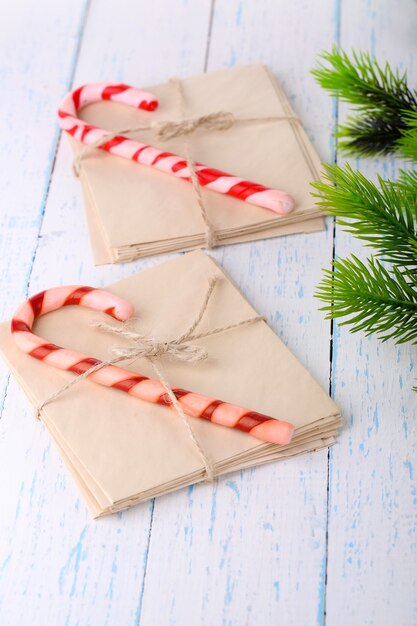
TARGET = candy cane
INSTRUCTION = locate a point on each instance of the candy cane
(277, 201)
(196, 405)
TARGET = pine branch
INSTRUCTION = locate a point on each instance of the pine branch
(408, 142)
(408, 181)
(381, 96)
(371, 135)
(372, 299)
(362, 82)
(385, 217)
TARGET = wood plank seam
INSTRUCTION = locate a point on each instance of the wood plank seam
(83, 23)
(145, 569)
(334, 159)
(209, 32)
(138, 612)
(54, 149)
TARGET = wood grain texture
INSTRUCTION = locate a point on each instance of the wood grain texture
(258, 547)
(70, 569)
(28, 151)
(32, 76)
(372, 553)
(250, 550)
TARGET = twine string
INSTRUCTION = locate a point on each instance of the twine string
(208, 465)
(210, 233)
(164, 130)
(152, 349)
(170, 129)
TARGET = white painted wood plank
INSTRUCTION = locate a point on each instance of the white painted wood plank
(28, 138)
(372, 559)
(67, 568)
(251, 549)
(71, 570)
(32, 76)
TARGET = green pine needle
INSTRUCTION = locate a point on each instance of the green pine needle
(371, 135)
(373, 299)
(385, 217)
(408, 142)
(368, 295)
(408, 181)
(381, 96)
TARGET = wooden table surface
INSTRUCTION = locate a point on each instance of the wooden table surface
(326, 538)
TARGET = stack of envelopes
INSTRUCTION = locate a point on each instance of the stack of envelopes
(121, 450)
(136, 211)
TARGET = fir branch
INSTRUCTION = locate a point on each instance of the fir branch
(371, 135)
(408, 142)
(385, 217)
(408, 181)
(381, 96)
(362, 82)
(372, 299)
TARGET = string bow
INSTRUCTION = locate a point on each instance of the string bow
(150, 347)
(220, 120)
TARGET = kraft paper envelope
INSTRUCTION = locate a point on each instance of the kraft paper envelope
(136, 211)
(122, 450)
(102, 254)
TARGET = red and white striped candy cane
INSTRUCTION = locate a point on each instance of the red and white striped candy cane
(278, 201)
(260, 426)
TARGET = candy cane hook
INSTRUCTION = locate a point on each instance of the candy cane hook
(260, 426)
(278, 201)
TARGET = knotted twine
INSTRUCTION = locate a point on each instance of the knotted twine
(165, 130)
(152, 349)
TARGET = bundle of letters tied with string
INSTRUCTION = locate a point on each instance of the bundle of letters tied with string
(154, 424)
(235, 120)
